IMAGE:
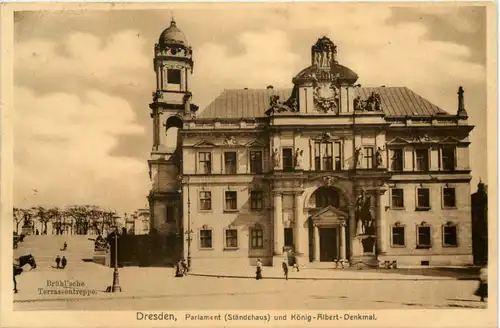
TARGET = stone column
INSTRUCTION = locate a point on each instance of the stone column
(343, 241)
(381, 224)
(278, 224)
(298, 224)
(316, 244)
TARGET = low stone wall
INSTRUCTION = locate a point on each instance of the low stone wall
(101, 257)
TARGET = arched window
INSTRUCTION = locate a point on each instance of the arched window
(327, 196)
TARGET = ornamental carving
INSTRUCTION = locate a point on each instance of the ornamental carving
(330, 181)
(326, 97)
(372, 104)
(277, 106)
(230, 141)
(157, 95)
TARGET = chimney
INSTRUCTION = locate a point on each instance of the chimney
(270, 87)
(462, 113)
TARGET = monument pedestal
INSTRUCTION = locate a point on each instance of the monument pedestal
(363, 251)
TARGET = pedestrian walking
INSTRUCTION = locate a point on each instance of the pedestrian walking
(64, 262)
(179, 271)
(258, 273)
(482, 290)
(58, 261)
(285, 268)
(65, 246)
(184, 267)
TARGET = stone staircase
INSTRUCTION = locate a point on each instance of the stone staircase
(45, 249)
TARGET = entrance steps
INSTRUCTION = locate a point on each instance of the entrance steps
(364, 262)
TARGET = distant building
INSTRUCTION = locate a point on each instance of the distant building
(325, 171)
(479, 201)
(138, 222)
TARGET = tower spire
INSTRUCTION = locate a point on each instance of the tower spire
(461, 106)
(172, 19)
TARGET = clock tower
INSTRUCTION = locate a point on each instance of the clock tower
(173, 66)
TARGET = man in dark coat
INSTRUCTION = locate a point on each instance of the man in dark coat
(58, 261)
(285, 268)
(64, 262)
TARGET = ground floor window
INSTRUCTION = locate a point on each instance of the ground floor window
(231, 238)
(450, 235)
(424, 236)
(206, 238)
(257, 238)
(398, 235)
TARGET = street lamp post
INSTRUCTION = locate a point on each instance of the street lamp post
(116, 276)
(185, 180)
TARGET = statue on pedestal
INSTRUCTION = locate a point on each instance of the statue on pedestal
(276, 158)
(379, 158)
(364, 218)
(298, 158)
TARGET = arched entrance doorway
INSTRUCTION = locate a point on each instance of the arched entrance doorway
(328, 226)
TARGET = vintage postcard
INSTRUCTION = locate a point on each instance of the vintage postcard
(247, 164)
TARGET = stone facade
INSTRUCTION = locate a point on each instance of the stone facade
(327, 171)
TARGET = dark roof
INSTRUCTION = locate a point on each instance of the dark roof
(250, 103)
(172, 35)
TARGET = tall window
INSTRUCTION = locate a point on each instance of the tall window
(257, 238)
(205, 162)
(231, 238)
(256, 200)
(397, 196)
(173, 76)
(398, 235)
(368, 157)
(326, 153)
(423, 236)
(450, 235)
(323, 156)
(448, 158)
(397, 160)
(317, 156)
(256, 161)
(205, 238)
(337, 150)
(449, 199)
(231, 200)
(423, 198)
(170, 214)
(422, 160)
(287, 159)
(230, 162)
(205, 200)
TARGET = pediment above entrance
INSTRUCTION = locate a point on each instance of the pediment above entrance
(329, 216)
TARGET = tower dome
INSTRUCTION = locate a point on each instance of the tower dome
(172, 35)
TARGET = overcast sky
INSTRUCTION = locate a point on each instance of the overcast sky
(83, 80)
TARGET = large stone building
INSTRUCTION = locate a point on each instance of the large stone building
(327, 170)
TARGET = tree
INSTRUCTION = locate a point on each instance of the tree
(18, 216)
(53, 215)
(79, 216)
(42, 215)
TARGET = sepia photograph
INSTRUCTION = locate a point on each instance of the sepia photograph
(246, 157)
